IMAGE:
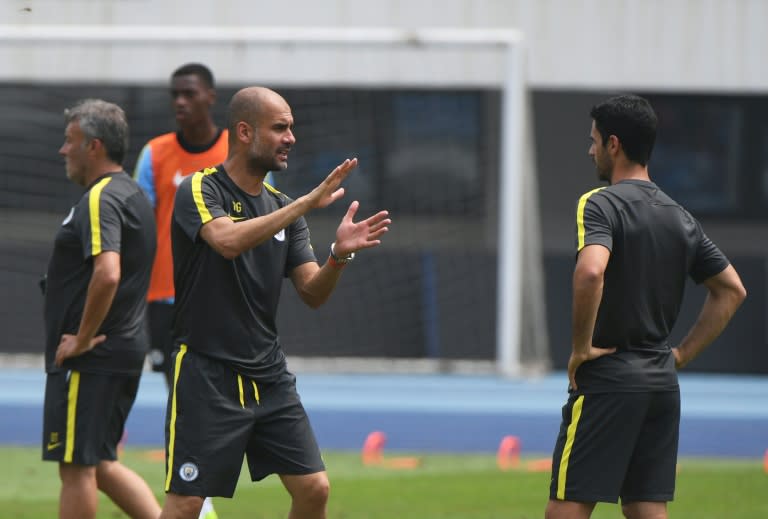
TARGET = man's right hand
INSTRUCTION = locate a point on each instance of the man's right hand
(577, 359)
(329, 191)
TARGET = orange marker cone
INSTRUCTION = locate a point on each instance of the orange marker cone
(402, 462)
(540, 465)
(508, 456)
(765, 461)
(373, 448)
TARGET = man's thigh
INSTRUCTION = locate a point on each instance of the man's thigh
(207, 428)
(283, 441)
(85, 414)
(595, 444)
(652, 469)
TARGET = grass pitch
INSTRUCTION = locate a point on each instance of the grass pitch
(441, 487)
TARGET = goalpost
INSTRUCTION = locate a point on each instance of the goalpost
(378, 59)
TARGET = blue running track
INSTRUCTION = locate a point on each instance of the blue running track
(722, 415)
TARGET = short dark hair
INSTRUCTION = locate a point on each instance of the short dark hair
(101, 120)
(632, 120)
(195, 69)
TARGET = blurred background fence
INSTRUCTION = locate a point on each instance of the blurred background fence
(430, 152)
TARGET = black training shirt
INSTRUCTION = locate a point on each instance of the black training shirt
(226, 309)
(655, 246)
(112, 215)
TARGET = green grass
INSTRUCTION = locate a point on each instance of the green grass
(442, 487)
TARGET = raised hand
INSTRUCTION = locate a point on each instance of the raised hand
(352, 236)
(329, 191)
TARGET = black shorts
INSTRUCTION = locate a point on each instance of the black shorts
(84, 415)
(160, 320)
(216, 416)
(617, 445)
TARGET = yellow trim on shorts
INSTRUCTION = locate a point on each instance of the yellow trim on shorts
(240, 389)
(255, 392)
(93, 211)
(172, 425)
(242, 392)
(569, 439)
(74, 390)
(580, 231)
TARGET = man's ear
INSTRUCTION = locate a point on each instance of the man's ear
(244, 131)
(95, 144)
(614, 144)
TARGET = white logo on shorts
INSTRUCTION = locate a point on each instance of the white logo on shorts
(189, 472)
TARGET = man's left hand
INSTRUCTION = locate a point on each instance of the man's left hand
(352, 236)
(70, 347)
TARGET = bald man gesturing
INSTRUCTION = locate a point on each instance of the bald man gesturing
(234, 240)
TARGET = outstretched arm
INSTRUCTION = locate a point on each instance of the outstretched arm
(315, 284)
(230, 239)
(726, 293)
(588, 278)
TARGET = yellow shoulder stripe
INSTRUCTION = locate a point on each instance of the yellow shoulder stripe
(580, 231)
(93, 210)
(197, 194)
(272, 189)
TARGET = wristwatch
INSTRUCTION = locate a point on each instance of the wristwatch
(341, 259)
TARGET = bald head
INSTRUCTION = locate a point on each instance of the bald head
(260, 126)
(251, 104)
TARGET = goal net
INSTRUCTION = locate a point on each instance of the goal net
(439, 120)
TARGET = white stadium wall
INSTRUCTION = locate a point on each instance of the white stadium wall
(687, 45)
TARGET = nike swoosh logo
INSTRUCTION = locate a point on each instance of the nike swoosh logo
(54, 445)
(69, 217)
(236, 218)
(281, 235)
(178, 177)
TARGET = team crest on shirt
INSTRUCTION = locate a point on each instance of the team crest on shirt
(281, 235)
(189, 472)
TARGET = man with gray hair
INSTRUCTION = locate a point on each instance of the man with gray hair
(95, 301)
